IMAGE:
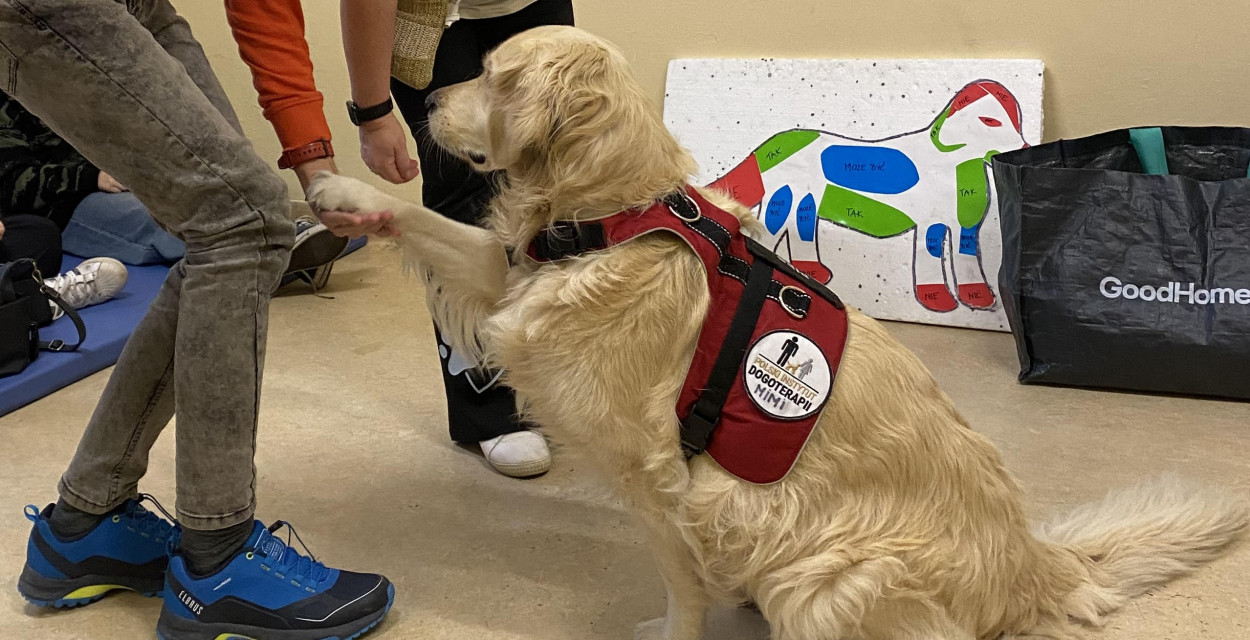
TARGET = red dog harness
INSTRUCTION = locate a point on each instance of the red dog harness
(769, 349)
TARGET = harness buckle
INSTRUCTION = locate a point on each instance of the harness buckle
(794, 312)
(696, 431)
(684, 207)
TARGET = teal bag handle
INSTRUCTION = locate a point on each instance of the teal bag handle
(1149, 145)
(1148, 141)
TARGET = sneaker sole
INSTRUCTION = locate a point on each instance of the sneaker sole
(53, 593)
(172, 627)
(524, 469)
(316, 250)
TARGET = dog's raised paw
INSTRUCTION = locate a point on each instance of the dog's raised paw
(331, 192)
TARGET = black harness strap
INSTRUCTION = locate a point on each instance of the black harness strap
(696, 430)
(719, 237)
(566, 239)
(758, 251)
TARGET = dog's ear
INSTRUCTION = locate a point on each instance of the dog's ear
(554, 99)
(517, 120)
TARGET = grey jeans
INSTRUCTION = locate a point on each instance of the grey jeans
(126, 83)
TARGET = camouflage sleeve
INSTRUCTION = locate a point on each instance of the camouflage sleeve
(29, 184)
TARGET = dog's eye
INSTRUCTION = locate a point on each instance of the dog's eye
(990, 122)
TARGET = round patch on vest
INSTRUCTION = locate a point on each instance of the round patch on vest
(787, 375)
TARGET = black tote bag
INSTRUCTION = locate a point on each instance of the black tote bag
(1126, 260)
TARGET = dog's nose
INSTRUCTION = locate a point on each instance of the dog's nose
(431, 102)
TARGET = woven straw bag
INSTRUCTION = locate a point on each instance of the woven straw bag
(419, 26)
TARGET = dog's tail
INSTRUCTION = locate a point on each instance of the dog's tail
(1142, 537)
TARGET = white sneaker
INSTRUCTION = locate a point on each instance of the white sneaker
(91, 282)
(522, 454)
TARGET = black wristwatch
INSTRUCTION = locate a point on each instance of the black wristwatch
(361, 115)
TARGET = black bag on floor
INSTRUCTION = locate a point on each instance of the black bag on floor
(23, 309)
(1126, 260)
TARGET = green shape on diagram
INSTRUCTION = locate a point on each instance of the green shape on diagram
(782, 146)
(974, 191)
(863, 214)
(935, 135)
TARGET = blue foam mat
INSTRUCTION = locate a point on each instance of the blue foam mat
(109, 325)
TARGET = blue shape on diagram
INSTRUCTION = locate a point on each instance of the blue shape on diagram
(806, 218)
(968, 240)
(934, 239)
(778, 209)
(869, 169)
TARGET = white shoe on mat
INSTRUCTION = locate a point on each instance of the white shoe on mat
(91, 282)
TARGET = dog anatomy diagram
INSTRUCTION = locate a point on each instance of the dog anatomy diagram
(874, 187)
(901, 220)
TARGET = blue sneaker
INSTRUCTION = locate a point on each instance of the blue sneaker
(128, 550)
(271, 592)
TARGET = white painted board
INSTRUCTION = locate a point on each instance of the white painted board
(873, 174)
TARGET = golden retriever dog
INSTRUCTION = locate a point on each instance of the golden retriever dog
(897, 522)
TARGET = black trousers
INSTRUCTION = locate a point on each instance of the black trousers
(34, 237)
(477, 407)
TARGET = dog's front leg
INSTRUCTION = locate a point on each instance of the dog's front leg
(687, 598)
(465, 267)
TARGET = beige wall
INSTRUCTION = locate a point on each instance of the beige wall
(1109, 63)
(208, 22)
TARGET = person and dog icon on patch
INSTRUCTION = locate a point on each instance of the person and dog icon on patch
(799, 370)
(788, 349)
(804, 369)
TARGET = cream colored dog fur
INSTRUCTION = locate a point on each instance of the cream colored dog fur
(898, 522)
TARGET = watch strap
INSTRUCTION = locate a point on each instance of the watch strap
(311, 151)
(360, 115)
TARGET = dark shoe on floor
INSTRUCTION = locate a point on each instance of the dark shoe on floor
(315, 251)
(271, 592)
(315, 246)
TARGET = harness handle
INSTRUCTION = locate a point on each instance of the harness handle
(697, 428)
